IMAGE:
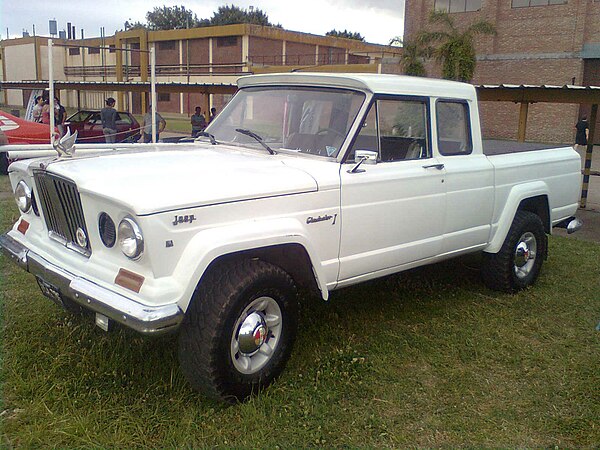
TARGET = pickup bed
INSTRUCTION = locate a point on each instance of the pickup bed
(313, 180)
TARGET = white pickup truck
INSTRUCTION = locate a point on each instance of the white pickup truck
(313, 180)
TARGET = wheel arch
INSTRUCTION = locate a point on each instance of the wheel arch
(281, 243)
(539, 206)
(291, 257)
(532, 197)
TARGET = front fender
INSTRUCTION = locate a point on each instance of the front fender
(516, 195)
(210, 244)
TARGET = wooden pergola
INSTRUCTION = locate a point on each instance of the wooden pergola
(527, 94)
(128, 86)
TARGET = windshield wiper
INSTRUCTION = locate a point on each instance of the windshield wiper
(213, 141)
(252, 134)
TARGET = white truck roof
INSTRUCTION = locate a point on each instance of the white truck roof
(375, 83)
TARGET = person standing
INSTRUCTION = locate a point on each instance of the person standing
(45, 116)
(213, 113)
(581, 136)
(198, 122)
(60, 114)
(37, 109)
(108, 116)
(147, 126)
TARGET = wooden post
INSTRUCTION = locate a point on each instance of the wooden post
(119, 67)
(588, 157)
(206, 105)
(144, 57)
(522, 122)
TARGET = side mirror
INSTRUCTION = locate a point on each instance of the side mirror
(361, 156)
(369, 156)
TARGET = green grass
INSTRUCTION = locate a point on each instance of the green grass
(5, 188)
(426, 358)
(175, 123)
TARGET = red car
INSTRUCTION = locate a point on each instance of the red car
(88, 125)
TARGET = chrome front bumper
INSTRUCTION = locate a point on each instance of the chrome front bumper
(144, 319)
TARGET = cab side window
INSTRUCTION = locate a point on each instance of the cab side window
(402, 130)
(395, 129)
(453, 128)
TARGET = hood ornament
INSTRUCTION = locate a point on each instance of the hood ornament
(65, 146)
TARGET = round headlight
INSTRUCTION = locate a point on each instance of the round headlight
(23, 196)
(131, 240)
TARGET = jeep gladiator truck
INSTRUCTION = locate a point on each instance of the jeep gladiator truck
(314, 180)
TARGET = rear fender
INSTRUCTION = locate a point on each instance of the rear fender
(515, 198)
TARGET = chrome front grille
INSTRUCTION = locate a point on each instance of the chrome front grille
(61, 207)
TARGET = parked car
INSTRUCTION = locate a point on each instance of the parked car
(314, 180)
(88, 125)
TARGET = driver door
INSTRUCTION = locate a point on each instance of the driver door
(392, 211)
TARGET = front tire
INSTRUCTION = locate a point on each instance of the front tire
(519, 261)
(239, 329)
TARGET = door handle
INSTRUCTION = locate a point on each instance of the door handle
(434, 166)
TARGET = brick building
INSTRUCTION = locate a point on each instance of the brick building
(551, 42)
(217, 55)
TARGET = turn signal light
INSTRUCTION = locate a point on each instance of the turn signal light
(23, 226)
(129, 280)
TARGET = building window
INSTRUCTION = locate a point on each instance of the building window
(526, 3)
(166, 45)
(227, 41)
(457, 6)
(73, 51)
(164, 97)
(111, 48)
(93, 51)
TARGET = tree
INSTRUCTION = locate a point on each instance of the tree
(345, 34)
(133, 25)
(229, 15)
(413, 56)
(172, 18)
(456, 49)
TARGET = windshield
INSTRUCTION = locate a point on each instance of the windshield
(304, 120)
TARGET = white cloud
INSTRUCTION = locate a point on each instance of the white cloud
(377, 20)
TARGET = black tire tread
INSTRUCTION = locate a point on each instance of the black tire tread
(208, 310)
(497, 268)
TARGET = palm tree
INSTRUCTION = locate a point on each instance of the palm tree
(412, 56)
(456, 49)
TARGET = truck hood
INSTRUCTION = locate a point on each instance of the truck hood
(147, 182)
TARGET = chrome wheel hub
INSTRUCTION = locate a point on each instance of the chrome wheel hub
(252, 334)
(256, 335)
(525, 254)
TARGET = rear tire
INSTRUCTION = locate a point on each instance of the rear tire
(519, 261)
(239, 329)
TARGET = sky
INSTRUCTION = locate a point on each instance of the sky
(377, 20)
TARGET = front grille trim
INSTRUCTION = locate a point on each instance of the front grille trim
(61, 208)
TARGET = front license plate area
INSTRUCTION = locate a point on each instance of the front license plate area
(50, 291)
